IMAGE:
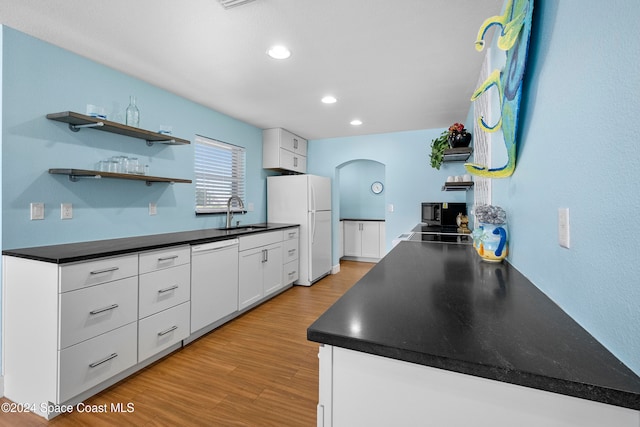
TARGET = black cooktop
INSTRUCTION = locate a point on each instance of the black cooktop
(439, 233)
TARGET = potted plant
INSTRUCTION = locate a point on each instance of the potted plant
(455, 136)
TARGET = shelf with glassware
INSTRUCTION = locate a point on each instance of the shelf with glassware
(76, 174)
(79, 121)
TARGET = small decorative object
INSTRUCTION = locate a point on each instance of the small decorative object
(458, 136)
(443, 142)
(463, 223)
(490, 238)
(133, 114)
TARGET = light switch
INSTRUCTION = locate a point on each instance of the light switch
(37, 211)
(563, 228)
(153, 208)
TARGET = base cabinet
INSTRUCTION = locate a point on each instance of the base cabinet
(363, 240)
(71, 330)
(259, 267)
(363, 389)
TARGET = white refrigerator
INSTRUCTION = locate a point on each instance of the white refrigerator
(304, 200)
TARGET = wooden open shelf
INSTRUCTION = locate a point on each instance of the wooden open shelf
(75, 174)
(79, 121)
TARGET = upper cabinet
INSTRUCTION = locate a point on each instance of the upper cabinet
(282, 149)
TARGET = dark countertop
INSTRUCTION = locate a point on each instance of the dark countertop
(438, 305)
(73, 252)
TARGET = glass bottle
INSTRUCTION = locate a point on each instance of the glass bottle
(133, 114)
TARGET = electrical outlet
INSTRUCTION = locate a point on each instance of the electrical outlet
(153, 209)
(564, 234)
(66, 211)
(37, 210)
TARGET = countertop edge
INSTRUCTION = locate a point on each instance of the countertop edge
(127, 244)
(554, 385)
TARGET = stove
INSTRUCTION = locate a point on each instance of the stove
(439, 234)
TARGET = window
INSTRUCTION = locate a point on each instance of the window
(219, 172)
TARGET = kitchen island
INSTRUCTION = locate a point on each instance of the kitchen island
(432, 333)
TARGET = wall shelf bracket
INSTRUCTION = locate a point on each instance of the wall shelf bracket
(76, 128)
(166, 141)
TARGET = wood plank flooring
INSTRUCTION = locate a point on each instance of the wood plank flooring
(257, 370)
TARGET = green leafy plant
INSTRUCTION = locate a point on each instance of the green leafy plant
(438, 146)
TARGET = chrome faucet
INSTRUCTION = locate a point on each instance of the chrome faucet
(229, 213)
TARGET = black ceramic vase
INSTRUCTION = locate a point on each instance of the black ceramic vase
(459, 139)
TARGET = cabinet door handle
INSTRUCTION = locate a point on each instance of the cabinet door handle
(106, 359)
(292, 273)
(170, 288)
(295, 143)
(360, 227)
(295, 162)
(106, 270)
(167, 258)
(266, 255)
(166, 331)
(102, 310)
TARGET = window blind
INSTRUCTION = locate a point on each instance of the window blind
(219, 174)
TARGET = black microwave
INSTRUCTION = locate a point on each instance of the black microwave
(442, 214)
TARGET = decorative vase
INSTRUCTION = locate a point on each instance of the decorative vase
(491, 241)
(459, 139)
(133, 114)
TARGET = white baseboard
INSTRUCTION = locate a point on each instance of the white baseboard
(335, 269)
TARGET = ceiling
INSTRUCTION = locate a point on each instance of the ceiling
(394, 64)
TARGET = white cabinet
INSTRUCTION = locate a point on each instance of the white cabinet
(290, 249)
(165, 283)
(356, 388)
(283, 150)
(71, 330)
(214, 282)
(260, 267)
(364, 240)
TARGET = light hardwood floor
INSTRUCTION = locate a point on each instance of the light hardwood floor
(257, 370)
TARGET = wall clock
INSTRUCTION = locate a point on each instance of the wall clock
(377, 187)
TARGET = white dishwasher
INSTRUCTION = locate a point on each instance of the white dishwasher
(214, 282)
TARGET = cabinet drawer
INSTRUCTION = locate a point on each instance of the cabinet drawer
(91, 362)
(81, 275)
(290, 250)
(162, 330)
(163, 289)
(260, 239)
(291, 234)
(290, 272)
(164, 258)
(91, 311)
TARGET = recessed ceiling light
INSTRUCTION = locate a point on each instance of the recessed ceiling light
(329, 99)
(279, 52)
(356, 122)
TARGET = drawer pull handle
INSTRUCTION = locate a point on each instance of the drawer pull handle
(292, 251)
(170, 288)
(292, 235)
(166, 331)
(102, 310)
(292, 273)
(106, 270)
(106, 359)
(167, 258)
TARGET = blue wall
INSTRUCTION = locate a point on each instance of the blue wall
(357, 201)
(38, 79)
(578, 148)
